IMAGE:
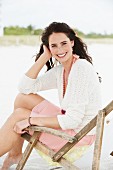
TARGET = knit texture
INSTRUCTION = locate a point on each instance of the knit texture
(82, 99)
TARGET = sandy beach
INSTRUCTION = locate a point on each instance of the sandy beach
(15, 60)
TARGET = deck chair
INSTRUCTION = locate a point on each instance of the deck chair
(98, 121)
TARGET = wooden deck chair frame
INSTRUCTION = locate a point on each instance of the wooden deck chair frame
(98, 121)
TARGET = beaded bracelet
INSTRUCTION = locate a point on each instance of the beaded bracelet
(29, 121)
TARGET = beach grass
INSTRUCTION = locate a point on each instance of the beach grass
(35, 40)
(19, 40)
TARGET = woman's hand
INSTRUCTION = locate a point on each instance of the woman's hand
(46, 52)
(20, 126)
(38, 65)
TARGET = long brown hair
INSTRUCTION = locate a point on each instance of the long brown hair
(79, 47)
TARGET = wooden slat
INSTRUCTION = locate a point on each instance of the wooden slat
(28, 150)
(43, 148)
(98, 141)
(58, 157)
(82, 133)
(78, 137)
(53, 132)
(108, 108)
(111, 153)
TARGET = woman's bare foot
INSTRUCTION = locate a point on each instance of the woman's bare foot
(10, 160)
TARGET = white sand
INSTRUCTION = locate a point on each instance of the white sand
(14, 61)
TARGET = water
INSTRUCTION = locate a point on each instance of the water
(15, 60)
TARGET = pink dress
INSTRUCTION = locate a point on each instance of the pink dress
(48, 109)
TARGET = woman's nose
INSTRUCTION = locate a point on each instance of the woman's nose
(60, 49)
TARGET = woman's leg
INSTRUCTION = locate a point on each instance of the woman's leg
(9, 138)
(27, 102)
(21, 101)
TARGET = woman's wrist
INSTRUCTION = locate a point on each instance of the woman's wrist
(45, 57)
(32, 121)
(29, 121)
(35, 121)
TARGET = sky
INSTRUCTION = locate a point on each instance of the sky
(85, 15)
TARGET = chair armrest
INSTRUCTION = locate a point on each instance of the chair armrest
(53, 132)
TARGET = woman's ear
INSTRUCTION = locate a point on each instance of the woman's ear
(72, 43)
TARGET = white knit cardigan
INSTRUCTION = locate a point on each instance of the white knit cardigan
(82, 98)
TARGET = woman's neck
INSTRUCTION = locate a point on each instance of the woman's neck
(67, 66)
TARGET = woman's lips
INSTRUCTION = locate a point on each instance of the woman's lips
(61, 55)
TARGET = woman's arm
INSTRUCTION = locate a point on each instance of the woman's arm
(35, 69)
(50, 122)
(32, 83)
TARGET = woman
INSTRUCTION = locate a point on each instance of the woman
(78, 89)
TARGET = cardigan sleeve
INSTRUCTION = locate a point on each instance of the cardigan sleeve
(46, 81)
(83, 83)
(73, 117)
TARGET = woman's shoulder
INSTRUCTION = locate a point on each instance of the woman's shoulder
(85, 68)
(83, 64)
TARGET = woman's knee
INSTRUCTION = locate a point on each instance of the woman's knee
(27, 101)
(19, 101)
(15, 117)
(20, 114)
(17, 114)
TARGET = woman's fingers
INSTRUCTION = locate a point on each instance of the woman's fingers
(20, 126)
(17, 129)
(47, 52)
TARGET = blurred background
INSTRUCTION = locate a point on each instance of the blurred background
(21, 25)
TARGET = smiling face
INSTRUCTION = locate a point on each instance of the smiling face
(61, 47)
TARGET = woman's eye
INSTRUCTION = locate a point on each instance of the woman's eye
(64, 43)
(53, 46)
